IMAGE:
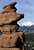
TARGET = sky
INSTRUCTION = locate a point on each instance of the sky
(25, 7)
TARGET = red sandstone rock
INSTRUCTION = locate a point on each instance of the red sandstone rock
(9, 40)
(9, 14)
(10, 7)
(9, 49)
(8, 27)
(9, 17)
(11, 4)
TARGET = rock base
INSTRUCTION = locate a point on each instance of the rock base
(9, 49)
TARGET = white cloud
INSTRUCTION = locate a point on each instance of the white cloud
(25, 24)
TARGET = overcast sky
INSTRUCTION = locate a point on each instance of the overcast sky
(23, 6)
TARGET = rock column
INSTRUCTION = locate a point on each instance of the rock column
(10, 38)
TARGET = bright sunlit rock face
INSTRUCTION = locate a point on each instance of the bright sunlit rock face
(10, 38)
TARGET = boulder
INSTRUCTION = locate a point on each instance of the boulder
(11, 4)
(7, 18)
(10, 7)
(9, 14)
(10, 38)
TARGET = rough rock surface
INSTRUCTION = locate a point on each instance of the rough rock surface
(10, 38)
(9, 49)
(11, 16)
(7, 28)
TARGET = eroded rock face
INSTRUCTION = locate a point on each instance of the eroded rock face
(10, 7)
(9, 40)
(8, 28)
(9, 49)
(7, 18)
(10, 37)
(11, 4)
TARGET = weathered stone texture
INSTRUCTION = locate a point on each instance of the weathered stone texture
(7, 28)
(11, 4)
(10, 39)
(9, 49)
(9, 17)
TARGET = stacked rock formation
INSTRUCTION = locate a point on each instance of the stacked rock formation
(10, 38)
